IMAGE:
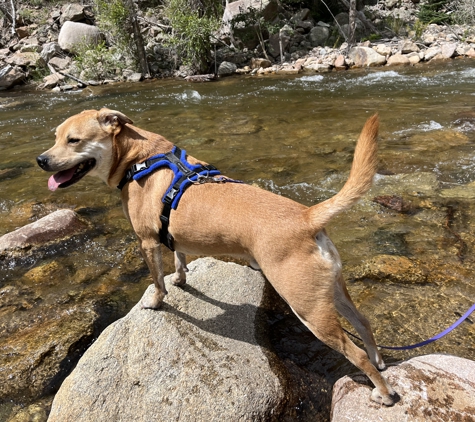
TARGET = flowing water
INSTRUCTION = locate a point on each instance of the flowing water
(294, 136)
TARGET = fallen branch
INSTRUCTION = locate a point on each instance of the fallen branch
(73, 78)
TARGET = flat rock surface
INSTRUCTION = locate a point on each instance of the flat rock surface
(436, 388)
(198, 358)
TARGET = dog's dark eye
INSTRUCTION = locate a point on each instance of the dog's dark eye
(73, 140)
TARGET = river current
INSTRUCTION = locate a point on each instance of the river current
(294, 136)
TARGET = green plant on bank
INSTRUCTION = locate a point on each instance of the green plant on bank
(112, 18)
(434, 11)
(371, 37)
(98, 62)
(395, 24)
(419, 28)
(463, 12)
(38, 73)
(193, 29)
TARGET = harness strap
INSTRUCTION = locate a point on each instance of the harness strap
(185, 174)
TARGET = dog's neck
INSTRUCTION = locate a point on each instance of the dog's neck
(133, 145)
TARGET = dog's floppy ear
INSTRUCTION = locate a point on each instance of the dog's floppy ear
(111, 120)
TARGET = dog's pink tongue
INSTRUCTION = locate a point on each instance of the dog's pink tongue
(63, 176)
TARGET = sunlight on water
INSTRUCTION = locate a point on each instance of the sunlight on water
(294, 136)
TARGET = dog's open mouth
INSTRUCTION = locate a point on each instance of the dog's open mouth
(66, 178)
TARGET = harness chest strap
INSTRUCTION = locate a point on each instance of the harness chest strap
(185, 174)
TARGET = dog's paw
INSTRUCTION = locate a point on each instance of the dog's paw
(152, 301)
(178, 280)
(388, 400)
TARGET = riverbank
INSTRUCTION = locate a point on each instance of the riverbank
(43, 56)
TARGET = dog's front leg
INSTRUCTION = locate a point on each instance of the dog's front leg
(153, 257)
(179, 278)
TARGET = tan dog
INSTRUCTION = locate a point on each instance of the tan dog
(285, 239)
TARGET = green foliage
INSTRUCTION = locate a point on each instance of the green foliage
(372, 37)
(98, 62)
(419, 28)
(434, 11)
(464, 12)
(113, 18)
(395, 24)
(192, 31)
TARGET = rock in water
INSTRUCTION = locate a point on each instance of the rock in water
(198, 358)
(432, 388)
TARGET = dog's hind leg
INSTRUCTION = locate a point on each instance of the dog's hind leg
(179, 278)
(347, 309)
(323, 322)
(309, 290)
(153, 257)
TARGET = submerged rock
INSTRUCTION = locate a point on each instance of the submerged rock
(398, 269)
(200, 357)
(432, 388)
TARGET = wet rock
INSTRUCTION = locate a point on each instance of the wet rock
(414, 58)
(258, 63)
(131, 76)
(398, 269)
(201, 78)
(411, 184)
(198, 358)
(35, 412)
(463, 192)
(408, 46)
(366, 57)
(432, 387)
(73, 34)
(35, 359)
(431, 52)
(9, 173)
(394, 202)
(448, 50)
(227, 69)
(340, 63)
(398, 60)
(52, 80)
(54, 227)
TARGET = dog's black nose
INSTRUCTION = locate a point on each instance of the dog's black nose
(42, 161)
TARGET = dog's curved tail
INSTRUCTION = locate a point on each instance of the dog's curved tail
(363, 169)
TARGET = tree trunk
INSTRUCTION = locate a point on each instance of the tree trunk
(138, 38)
(352, 22)
(13, 16)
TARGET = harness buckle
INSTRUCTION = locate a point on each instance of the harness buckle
(139, 167)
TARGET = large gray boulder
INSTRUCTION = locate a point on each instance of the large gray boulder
(366, 57)
(199, 358)
(75, 34)
(432, 388)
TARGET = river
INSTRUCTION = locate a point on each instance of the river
(293, 135)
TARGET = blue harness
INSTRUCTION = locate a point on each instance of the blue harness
(185, 175)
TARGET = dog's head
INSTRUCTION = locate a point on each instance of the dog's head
(84, 145)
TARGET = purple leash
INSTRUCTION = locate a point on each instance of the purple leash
(423, 343)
